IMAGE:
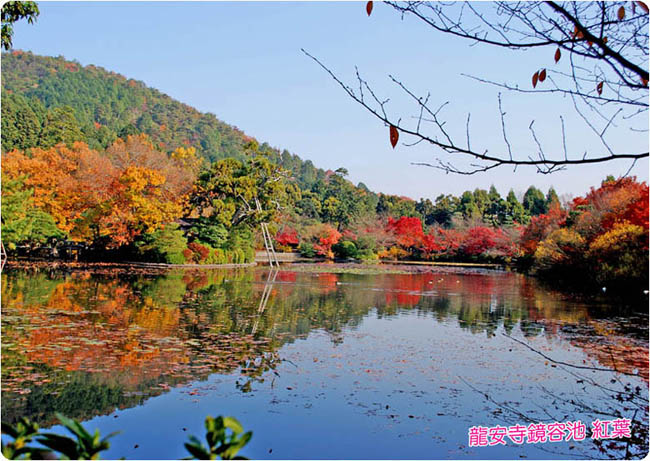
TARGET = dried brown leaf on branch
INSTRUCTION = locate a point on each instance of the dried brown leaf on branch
(600, 43)
(394, 136)
(369, 8)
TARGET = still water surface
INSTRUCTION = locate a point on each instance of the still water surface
(319, 365)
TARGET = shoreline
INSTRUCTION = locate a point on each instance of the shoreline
(298, 265)
(86, 265)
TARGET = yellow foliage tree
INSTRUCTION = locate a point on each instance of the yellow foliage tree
(111, 196)
(619, 254)
(561, 249)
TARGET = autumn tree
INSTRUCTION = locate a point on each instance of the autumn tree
(408, 232)
(108, 198)
(288, 237)
(327, 237)
(147, 190)
(597, 57)
(51, 175)
(602, 239)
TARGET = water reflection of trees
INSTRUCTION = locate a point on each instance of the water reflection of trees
(126, 336)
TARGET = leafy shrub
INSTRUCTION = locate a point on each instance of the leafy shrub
(287, 238)
(562, 249)
(249, 254)
(307, 250)
(242, 242)
(216, 256)
(214, 235)
(174, 258)
(83, 446)
(237, 256)
(367, 255)
(196, 252)
(165, 245)
(225, 437)
(366, 242)
(393, 254)
(221, 444)
(345, 250)
(619, 254)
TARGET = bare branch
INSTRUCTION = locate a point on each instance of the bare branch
(606, 79)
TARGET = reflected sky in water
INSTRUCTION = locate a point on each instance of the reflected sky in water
(318, 365)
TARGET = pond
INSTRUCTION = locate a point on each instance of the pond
(321, 365)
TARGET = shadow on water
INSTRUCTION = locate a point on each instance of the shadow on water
(87, 342)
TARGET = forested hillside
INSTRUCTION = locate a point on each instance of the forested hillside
(46, 100)
(127, 172)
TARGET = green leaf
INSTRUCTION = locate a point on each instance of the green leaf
(60, 443)
(245, 438)
(9, 430)
(233, 424)
(195, 441)
(197, 451)
(112, 434)
(73, 426)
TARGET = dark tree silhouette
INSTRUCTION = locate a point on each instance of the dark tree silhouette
(603, 49)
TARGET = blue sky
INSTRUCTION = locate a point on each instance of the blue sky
(242, 62)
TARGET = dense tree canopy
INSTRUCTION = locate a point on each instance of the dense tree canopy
(107, 197)
(92, 157)
(232, 192)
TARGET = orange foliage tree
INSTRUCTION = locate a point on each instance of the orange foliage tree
(605, 233)
(110, 196)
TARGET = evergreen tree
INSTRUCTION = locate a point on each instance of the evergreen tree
(534, 201)
(551, 198)
(497, 209)
(482, 200)
(426, 209)
(60, 126)
(445, 207)
(515, 210)
(468, 206)
(20, 125)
